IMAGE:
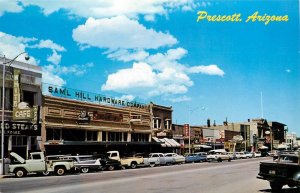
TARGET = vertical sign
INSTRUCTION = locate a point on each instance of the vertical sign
(186, 130)
(16, 92)
(248, 135)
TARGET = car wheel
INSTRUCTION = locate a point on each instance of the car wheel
(276, 186)
(229, 160)
(133, 165)
(85, 170)
(46, 173)
(60, 171)
(111, 168)
(19, 173)
(219, 159)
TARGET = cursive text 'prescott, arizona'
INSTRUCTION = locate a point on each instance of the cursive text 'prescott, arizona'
(236, 17)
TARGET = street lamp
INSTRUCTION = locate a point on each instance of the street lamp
(8, 63)
(190, 111)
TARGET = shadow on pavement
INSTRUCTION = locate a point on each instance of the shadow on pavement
(285, 190)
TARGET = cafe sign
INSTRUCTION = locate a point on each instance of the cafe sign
(21, 110)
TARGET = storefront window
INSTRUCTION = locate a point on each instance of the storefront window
(29, 97)
(103, 135)
(139, 137)
(53, 134)
(73, 135)
(19, 140)
(91, 135)
(114, 136)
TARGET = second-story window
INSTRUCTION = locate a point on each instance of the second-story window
(168, 124)
(156, 123)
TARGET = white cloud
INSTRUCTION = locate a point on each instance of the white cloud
(73, 69)
(11, 46)
(54, 58)
(209, 70)
(179, 99)
(127, 97)
(120, 33)
(49, 77)
(112, 8)
(168, 59)
(141, 80)
(126, 55)
(10, 6)
(139, 76)
(50, 45)
(160, 74)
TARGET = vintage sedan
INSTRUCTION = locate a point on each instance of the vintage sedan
(194, 157)
(85, 163)
(179, 159)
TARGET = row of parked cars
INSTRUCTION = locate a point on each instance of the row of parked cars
(220, 155)
(60, 164)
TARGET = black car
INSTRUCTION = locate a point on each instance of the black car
(107, 163)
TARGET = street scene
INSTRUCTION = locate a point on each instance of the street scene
(197, 177)
(149, 96)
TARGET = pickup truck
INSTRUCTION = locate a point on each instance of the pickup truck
(38, 164)
(126, 162)
(285, 171)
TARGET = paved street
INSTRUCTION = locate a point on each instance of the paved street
(236, 176)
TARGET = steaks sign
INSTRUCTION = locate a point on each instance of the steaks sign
(21, 128)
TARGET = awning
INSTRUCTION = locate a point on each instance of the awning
(162, 143)
(202, 146)
(166, 142)
(175, 142)
(172, 142)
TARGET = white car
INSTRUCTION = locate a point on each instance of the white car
(241, 155)
(249, 155)
(218, 155)
(179, 159)
(256, 154)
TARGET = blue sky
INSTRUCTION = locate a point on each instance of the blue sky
(156, 51)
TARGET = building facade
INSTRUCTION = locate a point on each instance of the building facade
(22, 129)
(85, 127)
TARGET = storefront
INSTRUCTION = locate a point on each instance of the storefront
(79, 122)
(22, 128)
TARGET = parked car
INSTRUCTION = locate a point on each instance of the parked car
(107, 163)
(85, 163)
(179, 159)
(248, 154)
(163, 160)
(218, 155)
(127, 162)
(38, 163)
(194, 157)
(241, 155)
(149, 161)
(203, 155)
(256, 154)
(232, 155)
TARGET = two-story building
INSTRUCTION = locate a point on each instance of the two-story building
(22, 129)
(80, 122)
